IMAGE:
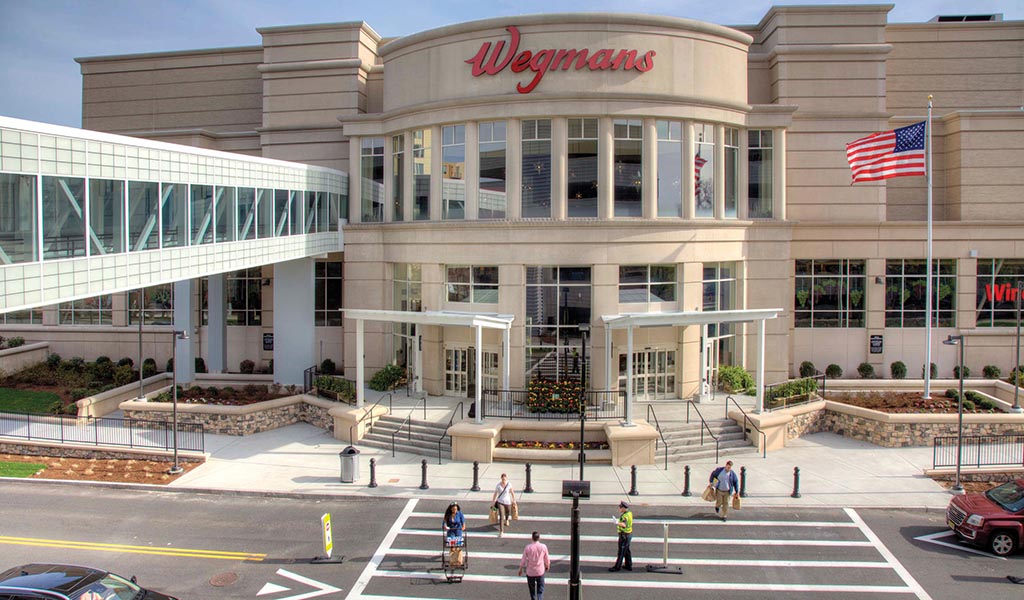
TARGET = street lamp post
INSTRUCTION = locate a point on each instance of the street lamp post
(1016, 363)
(584, 329)
(178, 335)
(958, 340)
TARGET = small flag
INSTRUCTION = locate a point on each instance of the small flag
(896, 153)
(698, 164)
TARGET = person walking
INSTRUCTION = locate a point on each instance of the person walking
(727, 486)
(454, 521)
(537, 562)
(624, 525)
(503, 499)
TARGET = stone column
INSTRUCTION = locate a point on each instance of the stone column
(471, 176)
(605, 168)
(559, 168)
(217, 347)
(650, 169)
(294, 333)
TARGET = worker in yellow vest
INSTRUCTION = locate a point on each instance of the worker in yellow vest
(624, 524)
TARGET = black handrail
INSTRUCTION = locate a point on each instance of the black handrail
(367, 413)
(440, 439)
(1004, 450)
(657, 425)
(309, 378)
(409, 421)
(705, 425)
(101, 431)
(746, 420)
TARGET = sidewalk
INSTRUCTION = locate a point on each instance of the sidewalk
(834, 472)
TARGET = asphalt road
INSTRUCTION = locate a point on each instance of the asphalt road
(201, 547)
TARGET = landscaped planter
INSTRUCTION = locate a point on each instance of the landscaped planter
(240, 420)
(13, 360)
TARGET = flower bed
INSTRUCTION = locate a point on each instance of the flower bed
(912, 402)
(548, 396)
(227, 396)
(529, 445)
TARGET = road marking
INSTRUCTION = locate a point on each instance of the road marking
(826, 564)
(933, 538)
(385, 545)
(660, 540)
(103, 547)
(888, 556)
(715, 522)
(677, 585)
(322, 589)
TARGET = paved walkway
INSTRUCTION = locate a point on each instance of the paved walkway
(834, 471)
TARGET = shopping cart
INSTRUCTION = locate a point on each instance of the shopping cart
(454, 556)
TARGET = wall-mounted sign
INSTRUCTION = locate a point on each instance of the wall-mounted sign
(268, 341)
(490, 61)
(876, 344)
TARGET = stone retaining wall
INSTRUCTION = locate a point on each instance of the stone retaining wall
(241, 420)
(100, 452)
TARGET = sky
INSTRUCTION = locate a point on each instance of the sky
(39, 39)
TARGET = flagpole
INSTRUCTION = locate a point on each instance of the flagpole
(928, 271)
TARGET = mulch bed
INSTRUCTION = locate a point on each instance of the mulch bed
(101, 469)
(901, 402)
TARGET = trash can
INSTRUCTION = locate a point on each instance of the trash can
(349, 464)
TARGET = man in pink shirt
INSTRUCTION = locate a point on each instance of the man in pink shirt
(536, 562)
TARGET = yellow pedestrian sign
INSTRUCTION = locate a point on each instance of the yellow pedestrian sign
(325, 522)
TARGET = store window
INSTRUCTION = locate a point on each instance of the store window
(704, 169)
(18, 218)
(536, 168)
(372, 172)
(453, 172)
(732, 159)
(398, 177)
(829, 293)
(106, 217)
(493, 170)
(906, 292)
(558, 301)
(719, 290)
(647, 284)
(63, 219)
(157, 305)
(421, 141)
(999, 283)
(472, 284)
(582, 168)
(407, 281)
(87, 311)
(670, 168)
(243, 304)
(327, 292)
(628, 167)
(174, 215)
(759, 174)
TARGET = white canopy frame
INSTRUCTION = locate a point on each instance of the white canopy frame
(631, 321)
(478, 321)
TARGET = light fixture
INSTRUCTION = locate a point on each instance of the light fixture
(879, 280)
(177, 335)
(958, 340)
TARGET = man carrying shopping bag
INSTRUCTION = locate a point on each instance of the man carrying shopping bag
(726, 484)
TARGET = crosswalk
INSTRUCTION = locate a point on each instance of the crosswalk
(784, 554)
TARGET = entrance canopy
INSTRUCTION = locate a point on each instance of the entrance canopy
(478, 321)
(631, 321)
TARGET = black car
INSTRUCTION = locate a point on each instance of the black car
(60, 582)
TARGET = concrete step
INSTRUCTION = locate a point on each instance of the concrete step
(695, 440)
(706, 451)
(400, 446)
(383, 440)
(428, 429)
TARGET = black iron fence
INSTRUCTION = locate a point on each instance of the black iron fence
(793, 392)
(309, 378)
(979, 451)
(517, 404)
(104, 431)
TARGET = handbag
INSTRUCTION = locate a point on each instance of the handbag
(735, 502)
(515, 511)
(493, 514)
(709, 494)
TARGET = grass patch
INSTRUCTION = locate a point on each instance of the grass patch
(25, 401)
(20, 469)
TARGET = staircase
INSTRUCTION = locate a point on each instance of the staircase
(684, 441)
(424, 436)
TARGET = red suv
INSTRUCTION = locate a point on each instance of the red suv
(993, 520)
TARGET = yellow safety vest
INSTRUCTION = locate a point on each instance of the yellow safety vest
(626, 522)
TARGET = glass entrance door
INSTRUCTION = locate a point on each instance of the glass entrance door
(460, 371)
(654, 374)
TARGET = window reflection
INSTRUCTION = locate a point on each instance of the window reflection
(421, 168)
(536, 168)
(670, 165)
(582, 168)
(63, 217)
(492, 198)
(453, 172)
(704, 170)
(628, 167)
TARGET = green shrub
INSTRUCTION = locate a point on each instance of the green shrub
(951, 393)
(198, 391)
(798, 387)
(327, 367)
(807, 369)
(200, 365)
(985, 403)
(956, 372)
(77, 363)
(15, 341)
(78, 394)
(1016, 375)
(106, 388)
(126, 361)
(53, 361)
(169, 367)
(123, 375)
(104, 371)
(68, 409)
(103, 360)
(991, 372)
(933, 372)
(833, 371)
(246, 366)
(387, 378)
(968, 405)
(865, 370)
(148, 367)
(898, 370)
(734, 378)
(343, 387)
(213, 391)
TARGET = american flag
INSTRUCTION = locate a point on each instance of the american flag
(896, 153)
(698, 164)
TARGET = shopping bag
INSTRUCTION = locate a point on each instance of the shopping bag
(709, 494)
(735, 502)
(455, 558)
(515, 511)
(493, 516)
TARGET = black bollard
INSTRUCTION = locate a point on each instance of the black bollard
(476, 477)
(743, 482)
(423, 482)
(373, 473)
(529, 484)
(632, 481)
(686, 481)
(796, 483)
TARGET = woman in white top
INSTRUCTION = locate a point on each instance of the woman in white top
(503, 499)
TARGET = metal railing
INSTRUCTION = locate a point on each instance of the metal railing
(657, 425)
(309, 377)
(979, 451)
(101, 431)
(440, 439)
(368, 413)
(599, 405)
(704, 426)
(747, 421)
(407, 421)
(774, 401)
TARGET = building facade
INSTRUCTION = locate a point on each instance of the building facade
(568, 168)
